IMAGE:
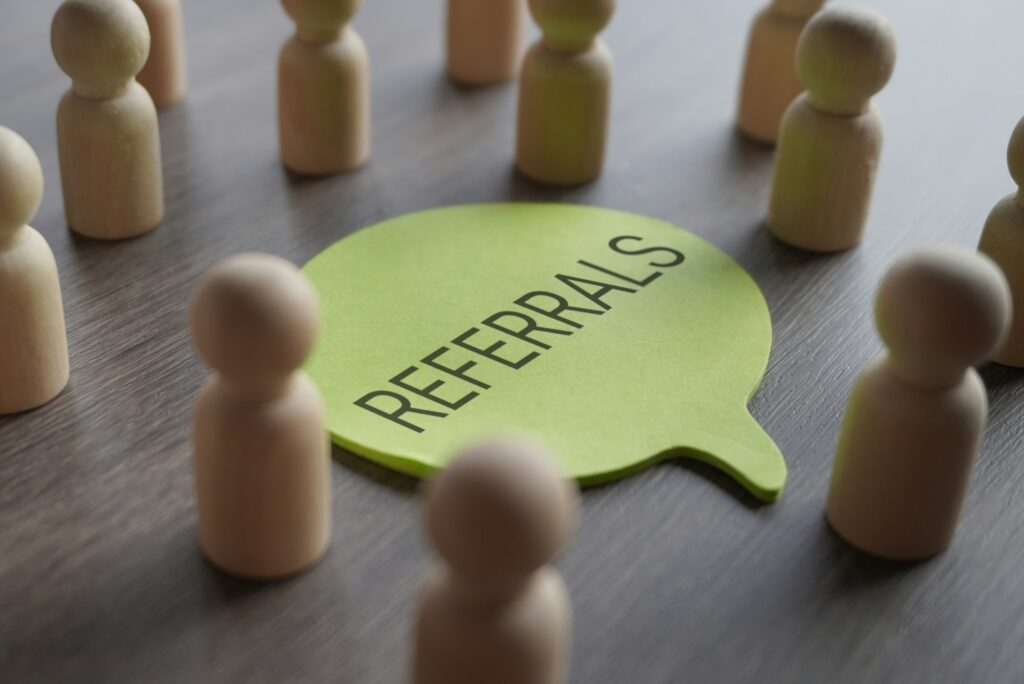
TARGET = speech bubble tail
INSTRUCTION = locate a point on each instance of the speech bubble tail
(746, 453)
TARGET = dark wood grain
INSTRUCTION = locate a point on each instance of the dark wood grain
(676, 575)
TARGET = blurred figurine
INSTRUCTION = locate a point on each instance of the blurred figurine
(33, 343)
(493, 611)
(164, 73)
(1003, 241)
(484, 39)
(916, 414)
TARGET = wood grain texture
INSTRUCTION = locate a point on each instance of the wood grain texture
(675, 574)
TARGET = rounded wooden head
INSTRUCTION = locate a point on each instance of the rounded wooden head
(100, 44)
(254, 320)
(500, 511)
(940, 310)
(21, 182)
(845, 55)
(571, 25)
(1015, 154)
(323, 19)
(797, 8)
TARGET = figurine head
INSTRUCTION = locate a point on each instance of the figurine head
(941, 310)
(1015, 156)
(499, 512)
(100, 44)
(845, 56)
(799, 9)
(254, 320)
(21, 183)
(571, 25)
(320, 20)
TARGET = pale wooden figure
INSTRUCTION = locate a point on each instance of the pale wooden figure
(484, 40)
(261, 455)
(107, 135)
(564, 93)
(831, 136)
(493, 610)
(770, 82)
(33, 344)
(323, 90)
(164, 73)
(916, 414)
(1003, 240)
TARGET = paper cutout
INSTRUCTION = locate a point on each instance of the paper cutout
(434, 337)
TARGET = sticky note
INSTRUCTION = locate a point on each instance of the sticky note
(617, 339)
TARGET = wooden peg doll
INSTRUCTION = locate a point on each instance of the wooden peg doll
(564, 93)
(1003, 240)
(916, 414)
(33, 343)
(770, 82)
(261, 455)
(493, 610)
(164, 73)
(484, 39)
(831, 136)
(323, 85)
(107, 135)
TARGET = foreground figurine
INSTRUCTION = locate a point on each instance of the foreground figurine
(262, 460)
(33, 344)
(831, 136)
(1003, 241)
(323, 89)
(484, 40)
(107, 135)
(494, 611)
(917, 412)
(565, 92)
(770, 82)
(164, 73)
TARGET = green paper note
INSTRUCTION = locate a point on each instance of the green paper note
(617, 339)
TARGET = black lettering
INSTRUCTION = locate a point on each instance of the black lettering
(404, 406)
(460, 372)
(489, 352)
(428, 391)
(561, 304)
(524, 332)
(595, 295)
(642, 283)
(677, 257)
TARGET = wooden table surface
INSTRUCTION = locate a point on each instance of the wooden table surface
(676, 575)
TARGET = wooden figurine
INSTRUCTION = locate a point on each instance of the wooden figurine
(831, 136)
(33, 343)
(323, 90)
(916, 414)
(484, 39)
(262, 459)
(493, 610)
(107, 135)
(164, 73)
(1003, 241)
(770, 82)
(564, 93)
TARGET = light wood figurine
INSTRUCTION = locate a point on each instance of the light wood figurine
(484, 40)
(323, 98)
(831, 136)
(33, 343)
(261, 455)
(164, 73)
(1003, 241)
(107, 135)
(564, 93)
(493, 610)
(770, 82)
(916, 414)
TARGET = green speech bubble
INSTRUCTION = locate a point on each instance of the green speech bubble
(618, 339)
